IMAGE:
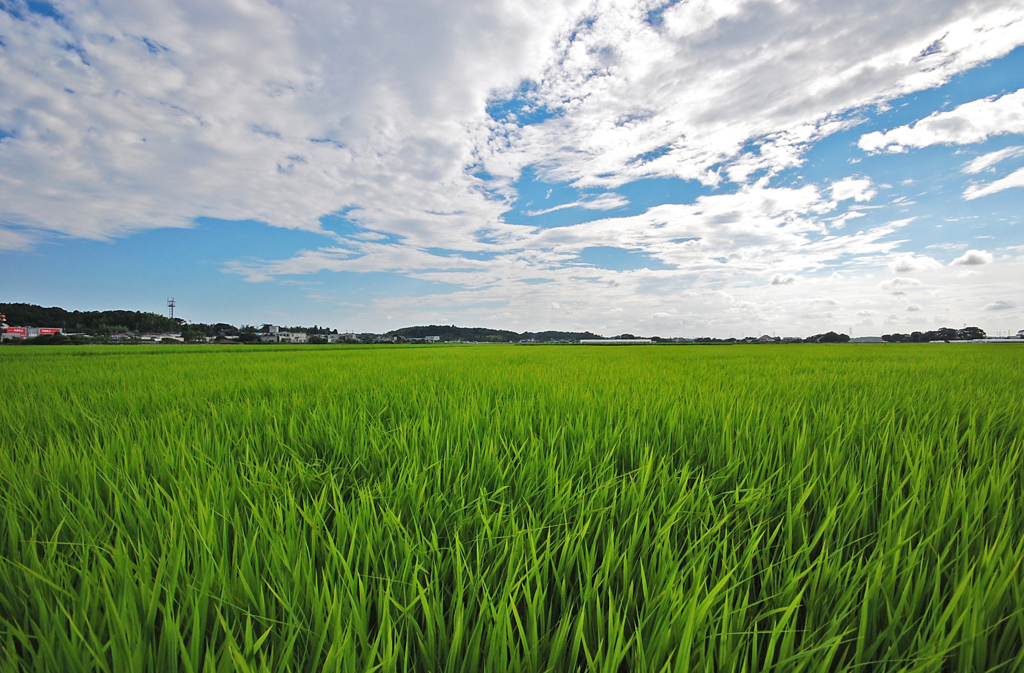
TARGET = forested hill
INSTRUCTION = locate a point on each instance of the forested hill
(453, 333)
(76, 321)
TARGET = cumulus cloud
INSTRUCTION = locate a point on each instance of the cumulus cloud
(973, 258)
(1015, 179)
(913, 308)
(858, 189)
(1000, 305)
(909, 263)
(971, 122)
(783, 279)
(899, 282)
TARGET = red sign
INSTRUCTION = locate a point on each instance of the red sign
(17, 331)
(49, 330)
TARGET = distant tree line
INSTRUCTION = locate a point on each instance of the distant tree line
(89, 322)
(826, 338)
(97, 326)
(483, 334)
(941, 334)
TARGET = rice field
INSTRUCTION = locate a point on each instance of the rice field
(512, 508)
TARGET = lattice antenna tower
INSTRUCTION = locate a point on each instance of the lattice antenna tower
(170, 307)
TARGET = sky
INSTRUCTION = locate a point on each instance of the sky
(659, 167)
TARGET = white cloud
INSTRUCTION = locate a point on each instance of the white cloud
(14, 240)
(858, 189)
(1000, 305)
(629, 105)
(282, 112)
(285, 112)
(971, 122)
(909, 263)
(899, 282)
(973, 258)
(990, 159)
(608, 201)
(913, 308)
(1015, 179)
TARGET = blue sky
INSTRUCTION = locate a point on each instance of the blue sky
(670, 168)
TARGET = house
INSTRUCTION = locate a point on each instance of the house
(595, 342)
(279, 337)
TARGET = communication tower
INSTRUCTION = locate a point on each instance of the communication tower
(170, 308)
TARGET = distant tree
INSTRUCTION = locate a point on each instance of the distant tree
(192, 336)
(317, 340)
(833, 338)
(971, 333)
(248, 337)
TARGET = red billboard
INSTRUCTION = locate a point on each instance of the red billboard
(17, 331)
(49, 330)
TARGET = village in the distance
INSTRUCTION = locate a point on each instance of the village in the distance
(31, 324)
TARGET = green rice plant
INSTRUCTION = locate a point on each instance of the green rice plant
(512, 508)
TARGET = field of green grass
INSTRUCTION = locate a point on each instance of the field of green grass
(512, 508)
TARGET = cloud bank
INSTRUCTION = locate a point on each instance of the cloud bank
(412, 124)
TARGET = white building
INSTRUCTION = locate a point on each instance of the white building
(276, 336)
(596, 342)
(432, 339)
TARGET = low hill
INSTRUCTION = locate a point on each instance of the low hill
(453, 333)
(87, 321)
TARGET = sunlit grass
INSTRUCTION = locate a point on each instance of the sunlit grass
(503, 508)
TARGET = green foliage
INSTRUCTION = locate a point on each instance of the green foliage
(941, 334)
(453, 333)
(484, 334)
(97, 322)
(828, 338)
(512, 509)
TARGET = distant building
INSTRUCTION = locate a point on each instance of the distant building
(27, 332)
(432, 339)
(158, 337)
(596, 342)
(867, 340)
(278, 337)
